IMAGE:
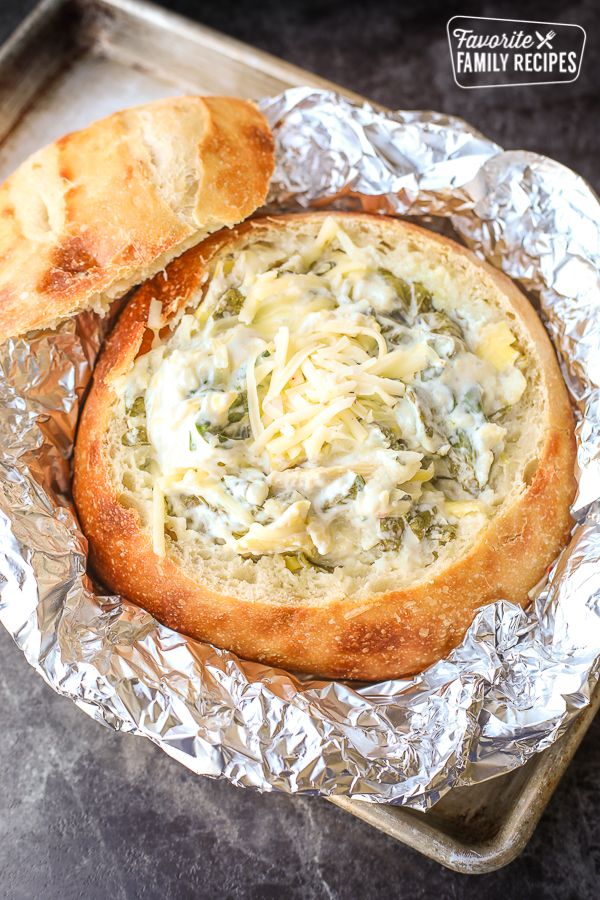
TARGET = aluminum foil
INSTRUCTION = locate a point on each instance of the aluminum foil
(517, 680)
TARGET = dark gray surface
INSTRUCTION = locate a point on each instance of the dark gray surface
(86, 813)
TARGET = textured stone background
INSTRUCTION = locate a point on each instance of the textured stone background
(86, 813)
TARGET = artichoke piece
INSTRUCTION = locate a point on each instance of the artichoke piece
(293, 564)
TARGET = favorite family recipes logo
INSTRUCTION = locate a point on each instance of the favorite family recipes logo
(509, 52)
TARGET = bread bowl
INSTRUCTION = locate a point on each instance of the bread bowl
(100, 210)
(323, 442)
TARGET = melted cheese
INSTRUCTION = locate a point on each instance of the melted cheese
(306, 418)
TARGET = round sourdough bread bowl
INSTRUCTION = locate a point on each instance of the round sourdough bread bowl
(340, 489)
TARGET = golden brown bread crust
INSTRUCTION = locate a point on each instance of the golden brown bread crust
(92, 211)
(390, 635)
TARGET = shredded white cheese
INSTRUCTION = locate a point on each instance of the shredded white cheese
(318, 405)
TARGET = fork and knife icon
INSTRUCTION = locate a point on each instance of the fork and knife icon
(545, 41)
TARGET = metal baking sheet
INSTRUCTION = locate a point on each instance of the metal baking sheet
(74, 61)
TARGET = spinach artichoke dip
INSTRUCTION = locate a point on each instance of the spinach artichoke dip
(323, 442)
(318, 408)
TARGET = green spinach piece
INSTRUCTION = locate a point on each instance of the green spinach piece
(238, 409)
(222, 434)
(412, 296)
(420, 522)
(230, 303)
(295, 562)
(423, 299)
(322, 266)
(395, 443)
(389, 327)
(422, 403)
(500, 413)
(356, 486)
(429, 373)
(401, 288)
(135, 436)
(137, 408)
(473, 400)
(439, 322)
(461, 461)
(188, 501)
(392, 532)
(462, 443)
(442, 533)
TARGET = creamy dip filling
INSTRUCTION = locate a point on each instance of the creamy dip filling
(317, 406)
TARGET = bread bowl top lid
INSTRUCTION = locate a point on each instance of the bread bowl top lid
(101, 209)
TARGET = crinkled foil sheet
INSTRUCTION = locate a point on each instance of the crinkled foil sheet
(517, 680)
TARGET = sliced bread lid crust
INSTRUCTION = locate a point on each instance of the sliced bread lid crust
(102, 209)
(372, 636)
